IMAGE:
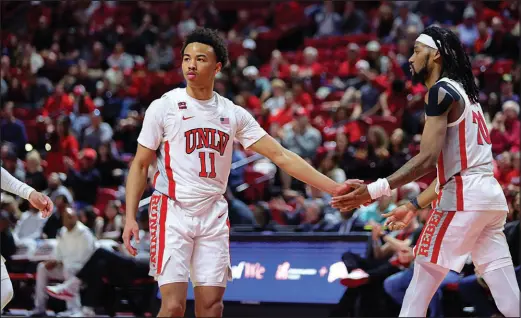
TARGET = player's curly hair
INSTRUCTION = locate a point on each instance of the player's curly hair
(209, 37)
(456, 63)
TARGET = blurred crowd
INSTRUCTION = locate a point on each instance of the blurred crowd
(329, 80)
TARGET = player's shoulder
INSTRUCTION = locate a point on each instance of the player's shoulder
(163, 103)
(443, 87)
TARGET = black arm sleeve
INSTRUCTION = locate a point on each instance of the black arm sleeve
(441, 97)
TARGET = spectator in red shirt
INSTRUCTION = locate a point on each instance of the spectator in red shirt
(302, 97)
(394, 100)
(58, 103)
(512, 124)
(310, 67)
(499, 140)
(63, 144)
(348, 69)
(277, 67)
(503, 168)
(246, 99)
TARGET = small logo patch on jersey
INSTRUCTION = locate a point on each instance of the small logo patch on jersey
(225, 121)
(186, 118)
(181, 105)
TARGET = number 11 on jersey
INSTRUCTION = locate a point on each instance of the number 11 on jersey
(203, 173)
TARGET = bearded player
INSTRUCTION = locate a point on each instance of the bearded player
(192, 131)
(471, 208)
(39, 201)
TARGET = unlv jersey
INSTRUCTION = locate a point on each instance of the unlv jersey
(194, 144)
(465, 171)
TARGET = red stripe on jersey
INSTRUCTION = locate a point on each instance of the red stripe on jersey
(459, 193)
(161, 239)
(441, 170)
(155, 179)
(441, 234)
(169, 172)
(462, 145)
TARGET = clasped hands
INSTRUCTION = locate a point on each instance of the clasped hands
(353, 193)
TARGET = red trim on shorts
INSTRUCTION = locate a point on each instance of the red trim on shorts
(462, 145)
(439, 198)
(459, 193)
(418, 242)
(169, 172)
(228, 225)
(441, 170)
(161, 238)
(155, 179)
(441, 234)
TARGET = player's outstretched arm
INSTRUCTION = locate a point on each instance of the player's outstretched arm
(136, 183)
(17, 187)
(298, 168)
(437, 109)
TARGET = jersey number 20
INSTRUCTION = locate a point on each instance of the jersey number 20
(477, 118)
(204, 173)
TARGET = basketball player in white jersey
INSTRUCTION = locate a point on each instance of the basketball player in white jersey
(39, 201)
(191, 130)
(471, 208)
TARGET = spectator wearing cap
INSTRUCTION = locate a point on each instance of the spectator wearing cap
(98, 132)
(468, 30)
(377, 61)
(310, 67)
(328, 22)
(261, 85)
(84, 182)
(13, 129)
(404, 20)
(347, 68)
(11, 162)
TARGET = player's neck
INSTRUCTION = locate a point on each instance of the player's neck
(434, 77)
(200, 93)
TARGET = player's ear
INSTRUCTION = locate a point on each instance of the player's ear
(218, 67)
(437, 56)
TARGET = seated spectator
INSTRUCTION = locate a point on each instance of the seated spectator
(75, 246)
(372, 271)
(13, 129)
(59, 103)
(54, 223)
(328, 22)
(84, 182)
(34, 171)
(10, 161)
(499, 139)
(110, 168)
(512, 124)
(354, 20)
(9, 204)
(238, 212)
(116, 266)
(398, 151)
(97, 133)
(110, 226)
(277, 100)
(119, 58)
(300, 137)
(504, 168)
(29, 226)
(83, 106)
(56, 188)
(88, 216)
(310, 67)
(329, 167)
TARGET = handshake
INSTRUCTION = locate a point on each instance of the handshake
(353, 193)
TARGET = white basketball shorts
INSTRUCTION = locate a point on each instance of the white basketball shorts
(449, 237)
(184, 246)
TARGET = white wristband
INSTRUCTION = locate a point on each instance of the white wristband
(379, 188)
